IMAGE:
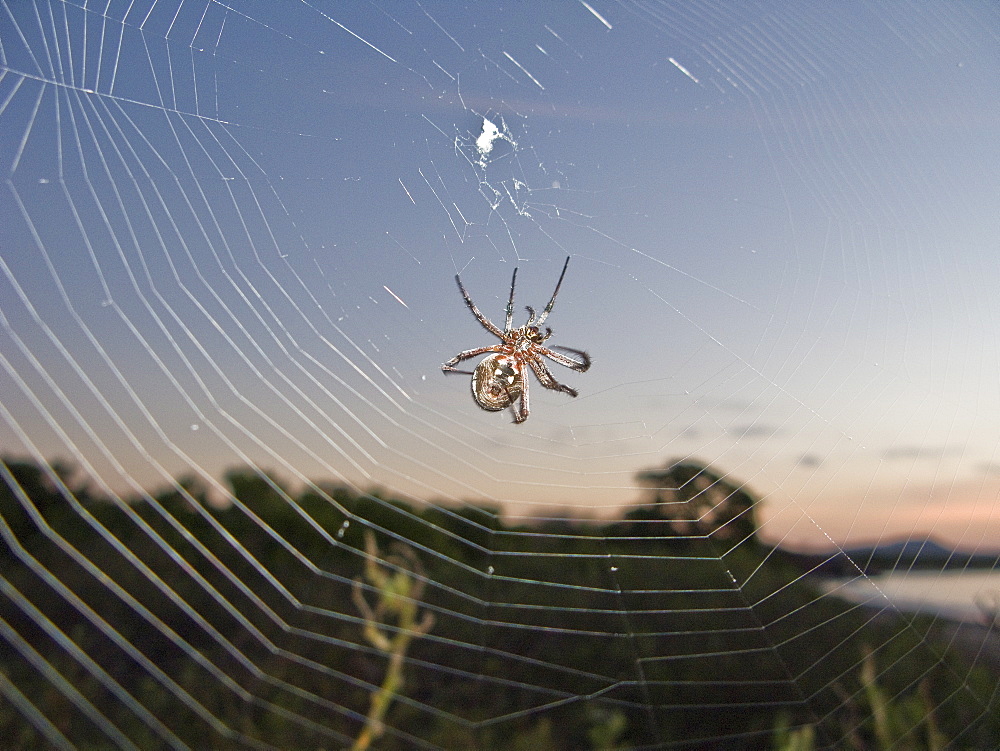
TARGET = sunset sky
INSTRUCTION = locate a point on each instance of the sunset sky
(230, 236)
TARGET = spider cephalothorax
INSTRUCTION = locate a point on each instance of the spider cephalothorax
(501, 379)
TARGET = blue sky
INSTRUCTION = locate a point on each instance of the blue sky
(231, 236)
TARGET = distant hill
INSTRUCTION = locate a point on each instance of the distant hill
(917, 555)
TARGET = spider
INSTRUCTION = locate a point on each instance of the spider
(501, 379)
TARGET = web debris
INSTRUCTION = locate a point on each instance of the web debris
(489, 136)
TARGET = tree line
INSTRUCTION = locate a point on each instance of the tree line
(333, 618)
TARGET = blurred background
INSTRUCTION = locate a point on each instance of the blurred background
(229, 237)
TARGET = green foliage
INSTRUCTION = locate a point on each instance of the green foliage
(904, 722)
(788, 738)
(606, 727)
(398, 586)
(878, 721)
(246, 626)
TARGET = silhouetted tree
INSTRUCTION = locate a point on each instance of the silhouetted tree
(694, 500)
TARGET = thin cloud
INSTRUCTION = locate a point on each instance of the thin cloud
(919, 452)
(754, 430)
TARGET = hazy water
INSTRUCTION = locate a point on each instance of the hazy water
(953, 594)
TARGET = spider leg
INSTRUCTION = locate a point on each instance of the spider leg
(510, 305)
(579, 365)
(547, 379)
(447, 367)
(520, 415)
(483, 320)
(548, 308)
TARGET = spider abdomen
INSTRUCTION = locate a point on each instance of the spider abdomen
(496, 382)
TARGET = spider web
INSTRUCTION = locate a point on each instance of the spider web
(244, 508)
